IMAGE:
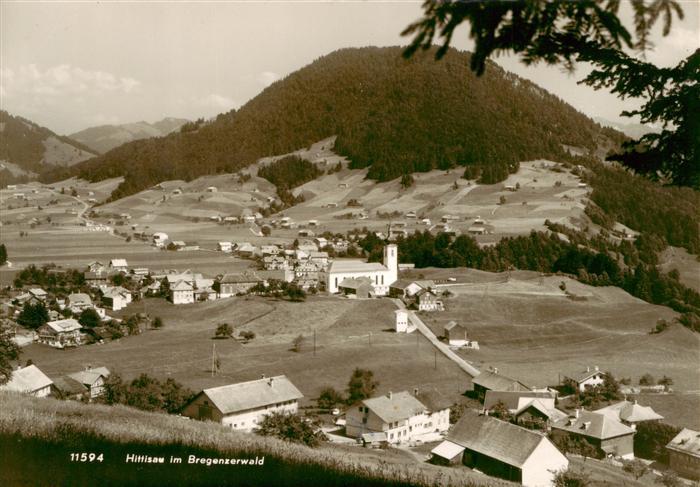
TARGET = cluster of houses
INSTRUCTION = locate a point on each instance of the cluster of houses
(84, 385)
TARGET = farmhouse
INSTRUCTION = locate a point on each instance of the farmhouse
(232, 284)
(401, 416)
(274, 262)
(79, 302)
(61, 333)
(225, 246)
(405, 288)
(182, 292)
(118, 265)
(67, 388)
(630, 413)
(96, 279)
(607, 436)
(116, 298)
(159, 239)
(92, 379)
(684, 453)
(428, 301)
(501, 449)
(242, 406)
(588, 378)
(380, 275)
(529, 408)
(29, 380)
(493, 381)
(97, 266)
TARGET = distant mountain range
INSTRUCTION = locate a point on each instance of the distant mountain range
(106, 137)
(391, 115)
(634, 130)
(28, 150)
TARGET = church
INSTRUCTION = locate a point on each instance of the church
(381, 276)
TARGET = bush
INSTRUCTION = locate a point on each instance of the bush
(158, 323)
(361, 385)
(570, 478)
(289, 427)
(647, 380)
(297, 342)
(247, 335)
(33, 315)
(89, 318)
(329, 398)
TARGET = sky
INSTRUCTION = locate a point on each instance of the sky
(72, 65)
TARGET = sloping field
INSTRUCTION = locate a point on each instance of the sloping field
(349, 334)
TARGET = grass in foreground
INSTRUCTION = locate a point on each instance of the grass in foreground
(37, 437)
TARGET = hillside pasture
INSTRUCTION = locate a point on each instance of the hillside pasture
(349, 334)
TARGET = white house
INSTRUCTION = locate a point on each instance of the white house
(159, 239)
(502, 449)
(401, 416)
(118, 265)
(381, 275)
(93, 379)
(590, 378)
(225, 246)
(182, 292)
(242, 406)
(61, 333)
(630, 413)
(116, 297)
(29, 380)
(79, 302)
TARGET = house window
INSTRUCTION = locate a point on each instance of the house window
(382, 278)
(336, 282)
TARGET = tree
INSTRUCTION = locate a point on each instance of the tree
(266, 231)
(9, 352)
(669, 478)
(361, 385)
(647, 380)
(589, 31)
(297, 342)
(158, 323)
(665, 381)
(407, 181)
(570, 478)
(328, 398)
(3, 254)
(651, 439)
(224, 330)
(636, 468)
(33, 315)
(289, 427)
(247, 335)
(89, 318)
(500, 411)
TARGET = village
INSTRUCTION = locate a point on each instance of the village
(502, 426)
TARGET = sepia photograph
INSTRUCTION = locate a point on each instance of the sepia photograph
(325, 243)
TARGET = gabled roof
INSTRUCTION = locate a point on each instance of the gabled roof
(497, 382)
(243, 278)
(687, 441)
(118, 263)
(425, 292)
(253, 394)
(62, 326)
(38, 292)
(595, 425)
(494, 438)
(630, 412)
(27, 379)
(355, 265)
(433, 399)
(535, 404)
(182, 285)
(586, 374)
(89, 376)
(400, 406)
(511, 399)
(351, 283)
(79, 298)
(68, 385)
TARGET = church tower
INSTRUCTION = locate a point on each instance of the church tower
(391, 262)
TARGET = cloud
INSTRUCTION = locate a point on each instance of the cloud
(216, 101)
(62, 80)
(266, 78)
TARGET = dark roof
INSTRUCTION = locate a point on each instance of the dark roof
(351, 283)
(494, 438)
(69, 386)
(497, 382)
(240, 278)
(434, 399)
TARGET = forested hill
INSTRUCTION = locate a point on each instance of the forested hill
(106, 137)
(393, 115)
(27, 149)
